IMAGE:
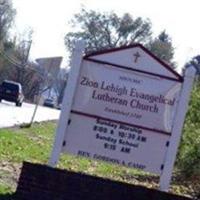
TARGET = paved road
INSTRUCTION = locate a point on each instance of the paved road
(11, 115)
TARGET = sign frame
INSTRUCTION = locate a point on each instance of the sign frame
(70, 90)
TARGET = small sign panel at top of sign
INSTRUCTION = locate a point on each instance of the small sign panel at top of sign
(138, 58)
(124, 108)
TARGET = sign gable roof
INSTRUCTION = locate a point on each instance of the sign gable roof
(135, 57)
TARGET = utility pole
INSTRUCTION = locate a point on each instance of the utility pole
(24, 61)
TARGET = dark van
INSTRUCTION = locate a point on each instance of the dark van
(11, 91)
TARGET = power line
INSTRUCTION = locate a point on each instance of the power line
(20, 65)
(10, 60)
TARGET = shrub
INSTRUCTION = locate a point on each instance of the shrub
(188, 161)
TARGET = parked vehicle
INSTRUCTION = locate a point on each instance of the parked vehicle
(49, 103)
(11, 91)
(59, 106)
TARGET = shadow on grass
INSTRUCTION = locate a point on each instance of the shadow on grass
(6, 197)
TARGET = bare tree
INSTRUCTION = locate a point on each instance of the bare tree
(60, 84)
(7, 14)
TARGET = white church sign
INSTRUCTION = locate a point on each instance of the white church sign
(123, 106)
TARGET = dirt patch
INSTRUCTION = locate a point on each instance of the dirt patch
(9, 173)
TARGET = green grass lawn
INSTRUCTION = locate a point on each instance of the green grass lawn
(34, 145)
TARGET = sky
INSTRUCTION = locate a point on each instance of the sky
(49, 21)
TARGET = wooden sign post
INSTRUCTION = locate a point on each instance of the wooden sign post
(124, 106)
(67, 102)
(177, 128)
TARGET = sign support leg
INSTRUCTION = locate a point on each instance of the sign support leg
(177, 129)
(67, 102)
